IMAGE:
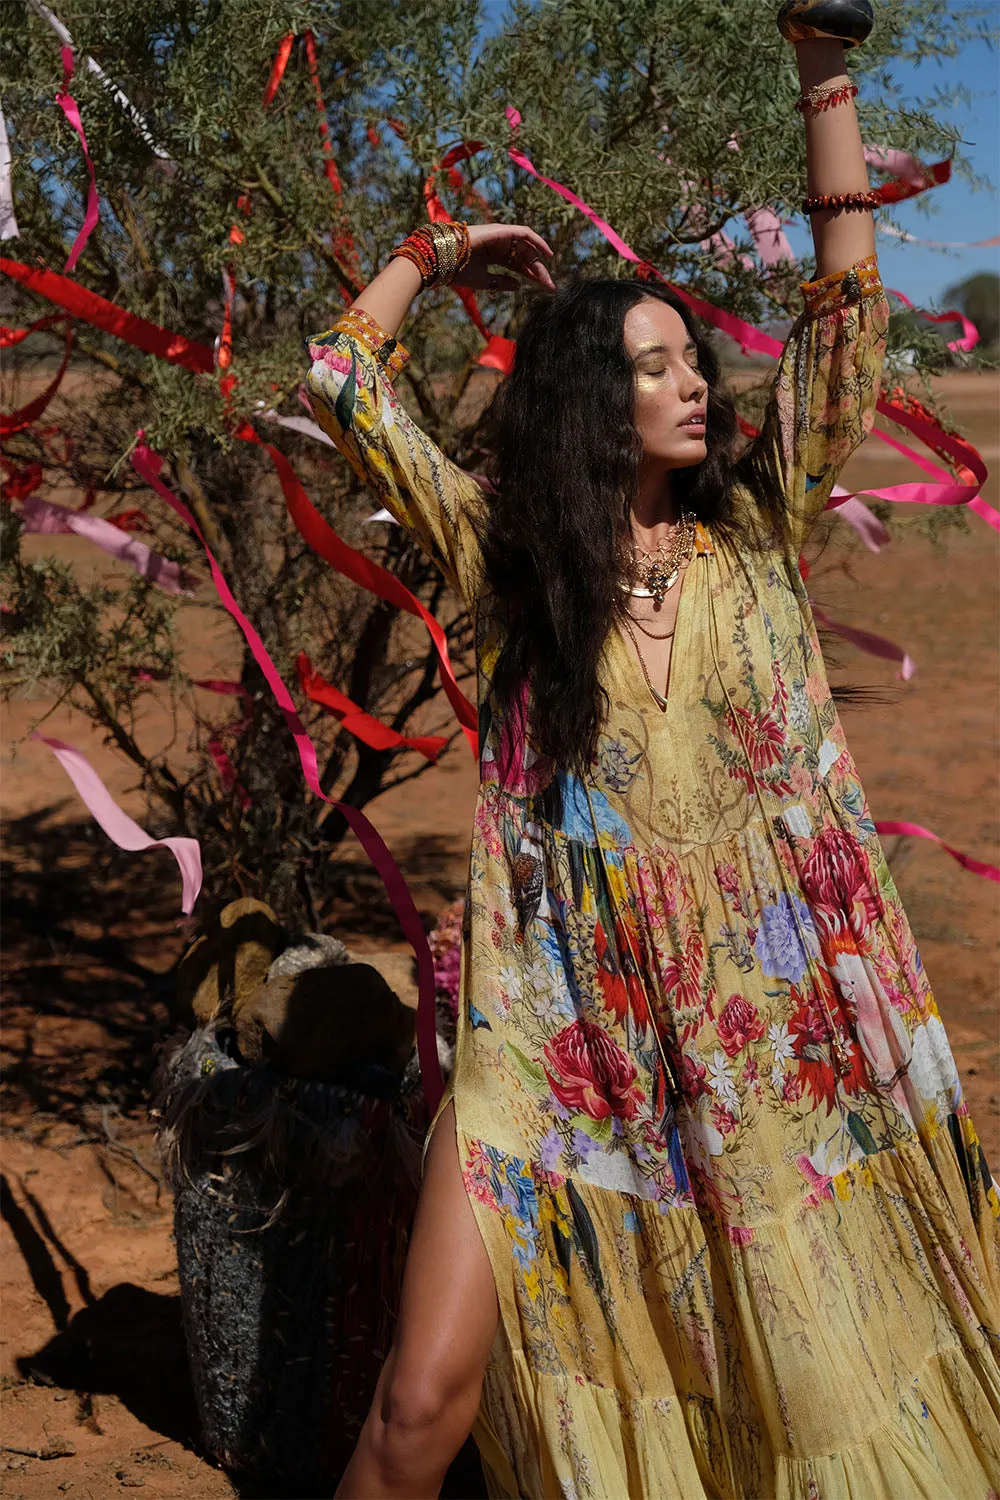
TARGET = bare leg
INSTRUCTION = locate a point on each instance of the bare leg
(428, 1392)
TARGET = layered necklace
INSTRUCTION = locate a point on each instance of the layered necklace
(651, 575)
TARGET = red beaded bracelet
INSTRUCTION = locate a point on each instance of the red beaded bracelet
(826, 97)
(823, 201)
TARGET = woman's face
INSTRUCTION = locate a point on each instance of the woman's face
(669, 389)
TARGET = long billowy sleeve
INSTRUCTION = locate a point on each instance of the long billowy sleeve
(822, 405)
(352, 396)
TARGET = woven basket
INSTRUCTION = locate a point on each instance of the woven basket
(293, 1206)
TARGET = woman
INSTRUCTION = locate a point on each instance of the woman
(703, 1212)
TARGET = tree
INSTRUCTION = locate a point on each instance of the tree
(629, 102)
(979, 298)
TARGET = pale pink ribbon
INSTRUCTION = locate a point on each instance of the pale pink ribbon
(43, 517)
(47, 519)
(68, 105)
(856, 513)
(149, 465)
(118, 826)
(8, 219)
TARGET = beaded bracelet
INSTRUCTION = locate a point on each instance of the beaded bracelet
(826, 96)
(439, 251)
(821, 201)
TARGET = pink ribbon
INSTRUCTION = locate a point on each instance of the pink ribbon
(118, 826)
(149, 465)
(970, 333)
(47, 519)
(866, 640)
(916, 831)
(68, 105)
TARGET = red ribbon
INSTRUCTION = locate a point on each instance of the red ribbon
(278, 67)
(362, 570)
(100, 313)
(11, 336)
(356, 721)
(17, 421)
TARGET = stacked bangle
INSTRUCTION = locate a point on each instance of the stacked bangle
(826, 96)
(439, 251)
(821, 201)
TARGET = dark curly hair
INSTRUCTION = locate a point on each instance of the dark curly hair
(565, 463)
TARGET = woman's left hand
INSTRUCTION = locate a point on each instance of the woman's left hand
(511, 245)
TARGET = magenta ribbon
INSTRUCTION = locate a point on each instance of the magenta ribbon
(117, 824)
(68, 105)
(917, 831)
(867, 640)
(48, 519)
(149, 465)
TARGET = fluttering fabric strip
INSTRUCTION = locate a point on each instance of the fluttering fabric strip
(46, 518)
(100, 313)
(118, 826)
(917, 831)
(17, 421)
(149, 465)
(362, 570)
(70, 109)
(866, 640)
(8, 218)
(356, 721)
(174, 347)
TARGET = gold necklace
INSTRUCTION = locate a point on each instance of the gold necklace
(658, 698)
(658, 571)
(651, 634)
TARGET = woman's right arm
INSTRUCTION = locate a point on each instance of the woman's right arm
(350, 382)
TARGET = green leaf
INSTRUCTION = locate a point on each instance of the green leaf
(862, 1135)
(528, 1071)
(597, 1130)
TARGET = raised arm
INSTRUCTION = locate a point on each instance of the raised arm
(822, 404)
(350, 383)
(835, 160)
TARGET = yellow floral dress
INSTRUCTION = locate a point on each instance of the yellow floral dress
(743, 1231)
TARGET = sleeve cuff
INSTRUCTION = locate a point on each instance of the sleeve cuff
(842, 288)
(364, 330)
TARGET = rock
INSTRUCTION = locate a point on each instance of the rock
(397, 969)
(322, 1022)
(230, 960)
(58, 1447)
(311, 950)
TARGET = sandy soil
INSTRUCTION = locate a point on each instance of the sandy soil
(92, 1365)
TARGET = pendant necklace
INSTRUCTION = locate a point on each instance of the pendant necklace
(651, 575)
(658, 698)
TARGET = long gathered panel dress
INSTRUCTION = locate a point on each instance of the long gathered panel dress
(778, 1277)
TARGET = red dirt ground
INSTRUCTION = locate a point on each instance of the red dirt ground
(92, 1365)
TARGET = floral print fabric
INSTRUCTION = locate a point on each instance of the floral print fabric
(743, 1232)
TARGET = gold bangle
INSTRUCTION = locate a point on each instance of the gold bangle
(445, 252)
